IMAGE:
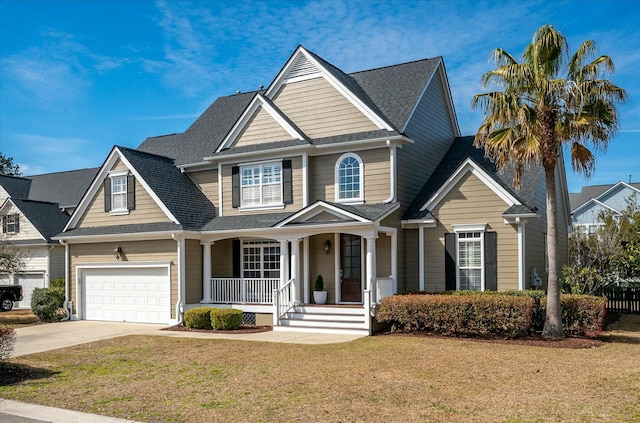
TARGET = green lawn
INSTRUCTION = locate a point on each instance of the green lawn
(374, 379)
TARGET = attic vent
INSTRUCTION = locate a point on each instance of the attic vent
(302, 67)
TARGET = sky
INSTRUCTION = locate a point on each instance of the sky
(79, 76)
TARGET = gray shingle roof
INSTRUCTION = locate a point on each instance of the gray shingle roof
(252, 221)
(123, 229)
(461, 149)
(47, 218)
(577, 199)
(371, 212)
(175, 189)
(64, 188)
(16, 187)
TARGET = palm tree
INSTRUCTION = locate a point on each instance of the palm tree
(548, 101)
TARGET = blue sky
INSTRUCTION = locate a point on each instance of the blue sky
(77, 77)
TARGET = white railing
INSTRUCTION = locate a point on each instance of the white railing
(384, 288)
(243, 290)
(282, 302)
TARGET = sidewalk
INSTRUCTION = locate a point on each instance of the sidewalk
(22, 412)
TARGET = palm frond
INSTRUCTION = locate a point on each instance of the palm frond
(582, 160)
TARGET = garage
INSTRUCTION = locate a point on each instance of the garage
(126, 294)
(29, 282)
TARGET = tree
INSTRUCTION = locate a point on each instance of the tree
(7, 166)
(12, 259)
(549, 100)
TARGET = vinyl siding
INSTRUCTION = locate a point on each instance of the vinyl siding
(261, 128)
(431, 129)
(383, 256)
(319, 110)
(207, 181)
(618, 198)
(146, 211)
(471, 202)
(56, 259)
(26, 229)
(228, 210)
(377, 186)
(323, 264)
(193, 271)
(36, 259)
(133, 251)
(222, 259)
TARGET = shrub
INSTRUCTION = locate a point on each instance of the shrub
(7, 341)
(582, 315)
(57, 284)
(461, 314)
(198, 318)
(46, 303)
(226, 318)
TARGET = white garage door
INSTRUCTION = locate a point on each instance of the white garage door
(28, 282)
(127, 294)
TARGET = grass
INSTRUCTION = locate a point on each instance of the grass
(374, 379)
(18, 318)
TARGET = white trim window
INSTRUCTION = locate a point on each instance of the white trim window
(11, 223)
(119, 193)
(349, 179)
(470, 258)
(261, 184)
(260, 259)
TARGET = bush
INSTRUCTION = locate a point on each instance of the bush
(226, 318)
(46, 303)
(198, 318)
(582, 315)
(462, 314)
(57, 284)
(7, 341)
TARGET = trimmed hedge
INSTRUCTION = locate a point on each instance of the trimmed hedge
(198, 318)
(582, 315)
(46, 303)
(7, 341)
(226, 318)
(461, 314)
(57, 283)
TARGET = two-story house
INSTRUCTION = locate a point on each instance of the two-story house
(32, 210)
(321, 173)
(593, 200)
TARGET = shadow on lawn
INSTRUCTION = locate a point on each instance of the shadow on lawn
(11, 373)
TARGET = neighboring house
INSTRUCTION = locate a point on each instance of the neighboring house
(588, 204)
(313, 175)
(32, 210)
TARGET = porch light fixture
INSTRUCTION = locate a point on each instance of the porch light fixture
(327, 247)
(117, 252)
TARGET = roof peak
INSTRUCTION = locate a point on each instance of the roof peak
(396, 64)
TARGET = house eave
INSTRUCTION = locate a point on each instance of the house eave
(141, 236)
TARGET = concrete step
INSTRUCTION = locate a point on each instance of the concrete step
(315, 329)
(328, 310)
(322, 323)
(326, 317)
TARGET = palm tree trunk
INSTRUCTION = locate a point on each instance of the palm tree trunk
(553, 320)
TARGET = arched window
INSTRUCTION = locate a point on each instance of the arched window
(349, 179)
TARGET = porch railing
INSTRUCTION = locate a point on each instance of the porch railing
(282, 301)
(243, 290)
(384, 288)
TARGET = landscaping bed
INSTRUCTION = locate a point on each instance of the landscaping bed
(241, 330)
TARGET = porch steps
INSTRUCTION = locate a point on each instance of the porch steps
(317, 319)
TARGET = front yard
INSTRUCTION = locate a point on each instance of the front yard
(18, 318)
(380, 378)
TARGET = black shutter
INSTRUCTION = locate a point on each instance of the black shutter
(287, 184)
(107, 194)
(491, 261)
(235, 187)
(16, 218)
(131, 192)
(235, 245)
(4, 224)
(450, 262)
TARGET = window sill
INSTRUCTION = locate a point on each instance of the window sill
(119, 212)
(351, 202)
(268, 207)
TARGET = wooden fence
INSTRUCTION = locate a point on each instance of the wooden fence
(622, 299)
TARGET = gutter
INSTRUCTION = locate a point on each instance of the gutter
(181, 294)
(66, 304)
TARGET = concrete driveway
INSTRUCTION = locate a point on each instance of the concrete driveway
(39, 338)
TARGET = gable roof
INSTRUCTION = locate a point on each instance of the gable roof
(579, 199)
(390, 93)
(47, 218)
(461, 151)
(16, 186)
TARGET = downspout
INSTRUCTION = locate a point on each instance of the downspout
(66, 304)
(47, 279)
(179, 305)
(392, 173)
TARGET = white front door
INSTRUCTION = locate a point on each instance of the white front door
(126, 294)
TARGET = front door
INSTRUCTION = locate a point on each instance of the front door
(350, 268)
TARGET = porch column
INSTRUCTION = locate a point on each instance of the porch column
(295, 270)
(284, 262)
(206, 273)
(421, 257)
(371, 267)
(394, 261)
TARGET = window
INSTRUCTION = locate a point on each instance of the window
(11, 224)
(348, 179)
(261, 259)
(470, 261)
(261, 185)
(118, 193)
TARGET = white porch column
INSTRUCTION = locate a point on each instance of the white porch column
(305, 260)
(284, 262)
(521, 256)
(206, 273)
(394, 261)
(421, 257)
(371, 267)
(295, 270)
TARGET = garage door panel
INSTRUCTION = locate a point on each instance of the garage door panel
(127, 294)
(29, 283)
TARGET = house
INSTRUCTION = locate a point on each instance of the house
(348, 176)
(33, 209)
(588, 204)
